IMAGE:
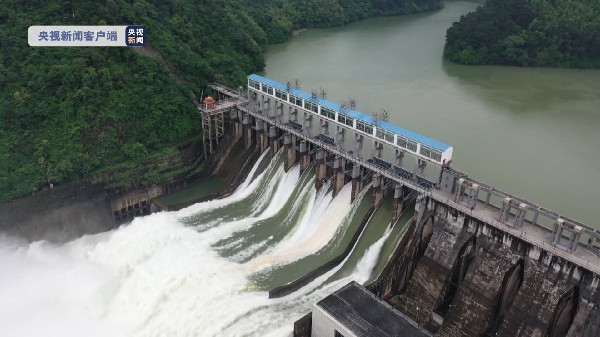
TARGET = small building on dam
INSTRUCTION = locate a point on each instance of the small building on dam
(352, 311)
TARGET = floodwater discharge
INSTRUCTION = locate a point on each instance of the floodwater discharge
(206, 270)
(178, 273)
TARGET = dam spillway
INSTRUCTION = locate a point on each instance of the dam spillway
(334, 137)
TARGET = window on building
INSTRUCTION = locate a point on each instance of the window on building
(311, 106)
(264, 88)
(253, 84)
(389, 137)
(411, 145)
(270, 90)
(384, 134)
(328, 113)
(364, 127)
(296, 100)
(280, 94)
(430, 153)
(425, 151)
(401, 141)
(337, 334)
(345, 119)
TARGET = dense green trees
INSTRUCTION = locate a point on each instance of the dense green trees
(564, 33)
(66, 113)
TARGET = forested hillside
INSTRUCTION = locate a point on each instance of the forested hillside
(68, 112)
(546, 33)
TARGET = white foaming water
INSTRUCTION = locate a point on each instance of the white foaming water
(367, 263)
(248, 179)
(309, 222)
(285, 183)
(328, 225)
(153, 277)
(242, 192)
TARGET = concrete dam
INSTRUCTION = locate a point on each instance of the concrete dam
(475, 260)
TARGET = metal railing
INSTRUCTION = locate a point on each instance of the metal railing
(520, 233)
(332, 149)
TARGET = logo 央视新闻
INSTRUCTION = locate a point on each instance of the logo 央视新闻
(135, 36)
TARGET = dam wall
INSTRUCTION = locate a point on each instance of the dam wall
(458, 276)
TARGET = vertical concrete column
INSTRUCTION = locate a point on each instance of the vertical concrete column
(247, 129)
(459, 190)
(358, 145)
(557, 232)
(238, 129)
(304, 156)
(290, 152)
(520, 217)
(576, 235)
(473, 193)
(505, 212)
(398, 206)
(262, 141)
(487, 197)
(273, 141)
(377, 189)
(339, 175)
(321, 168)
(248, 136)
(357, 182)
(420, 165)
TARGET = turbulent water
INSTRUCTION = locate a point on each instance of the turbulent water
(187, 273)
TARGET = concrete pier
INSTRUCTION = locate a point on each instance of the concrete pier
(321, 169)
(357, 182)
(339, 176)
(290, 152)
(304, 156)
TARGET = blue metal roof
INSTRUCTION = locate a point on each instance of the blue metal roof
(355, 114)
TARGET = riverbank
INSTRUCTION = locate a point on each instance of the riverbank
(99, 204)
(528, 34)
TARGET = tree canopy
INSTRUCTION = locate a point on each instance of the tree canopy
(66, 113)
(545, 33)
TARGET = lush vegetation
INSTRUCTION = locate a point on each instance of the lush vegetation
(67, 113)
(563, 33)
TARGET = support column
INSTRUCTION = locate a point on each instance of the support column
(238, 129)
(273, 141)
(420, 165)
(520, 217)
(248, 136)
(290, 152)
(398, 203)
(263, 141)
(357, 182)
(321, 168)
(576, 236)
(304, 156)
(557, 231)
(377, 189)
(246, 129)
(339, 176)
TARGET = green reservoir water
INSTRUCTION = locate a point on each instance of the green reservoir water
(532, 132)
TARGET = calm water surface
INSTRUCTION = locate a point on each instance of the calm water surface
(533, 132)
